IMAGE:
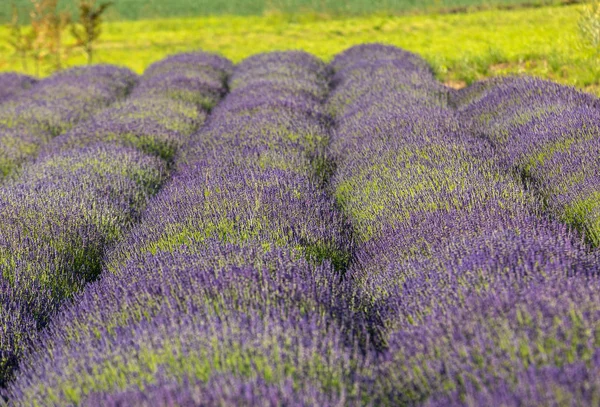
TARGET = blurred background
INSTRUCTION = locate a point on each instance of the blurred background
(464, 40)
(143, 9)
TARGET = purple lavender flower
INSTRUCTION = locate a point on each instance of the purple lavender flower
(353, 233)
(448, 240)
(547, 133)
(13, 84)
(62, 212)
(233, 275)
(33, 117)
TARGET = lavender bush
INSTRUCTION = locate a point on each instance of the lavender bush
(448, 238)
(547, 134)
(54, 105)
(244, 245)
(351, 233)
(13, 84)
(87, 188)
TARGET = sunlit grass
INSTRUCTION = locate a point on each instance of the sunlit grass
(461, 47)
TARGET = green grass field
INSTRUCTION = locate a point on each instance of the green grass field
(146, 9)
(461, 47)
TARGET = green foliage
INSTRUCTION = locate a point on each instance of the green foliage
(144, 9)
(583, 215)
(43, 41)
(89, 27)
(47, 26)
(461, 47)
(20, 41)
(589, 27)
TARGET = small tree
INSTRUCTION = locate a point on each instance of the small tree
(89, 27)
(47, 25)
(56, 22)
(38, 35)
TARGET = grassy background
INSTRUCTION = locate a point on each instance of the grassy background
(147, 9)
(461, 47)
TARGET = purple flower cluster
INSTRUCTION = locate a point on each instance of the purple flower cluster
(223, 390)
(532, 345)
(345, 234)
(170, 102)
(574, 385)
(448, 242)
(12, 84)
(83, 193)
(229, 290)
(550, 136)
(33, 117)
(183, 77)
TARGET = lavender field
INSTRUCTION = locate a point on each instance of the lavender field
(287, 232)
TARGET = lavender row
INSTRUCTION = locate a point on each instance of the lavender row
(532, 341)
(232, 280)
(87, 188)
(229, 290)
(547, 134)
(53, 106)
(449, 243)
